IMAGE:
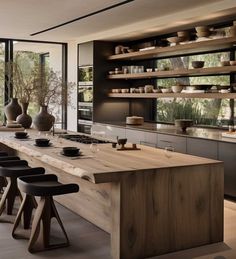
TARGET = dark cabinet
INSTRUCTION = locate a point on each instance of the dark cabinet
(227, 154)
(202, 147)
(85, 54)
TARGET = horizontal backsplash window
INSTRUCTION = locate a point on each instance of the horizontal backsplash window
(204, 112)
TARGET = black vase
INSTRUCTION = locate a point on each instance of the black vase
(24, 119)
(43, 121)
(12, 110)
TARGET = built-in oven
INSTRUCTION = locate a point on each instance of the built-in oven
(85, 111)
(85, 75)
(85, 93)
(85, 126)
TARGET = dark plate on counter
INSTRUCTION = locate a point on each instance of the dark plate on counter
(21, 137)
(49, 145)
(42, 142)
(71, 155)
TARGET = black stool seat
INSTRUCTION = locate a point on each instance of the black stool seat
(11, 170)
(9, 161)
(13, 163)
(45, 185)
(6, 158)
(3, 153)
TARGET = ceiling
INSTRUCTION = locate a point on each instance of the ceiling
(139, 18)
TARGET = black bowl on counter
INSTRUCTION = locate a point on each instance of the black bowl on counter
(70, 151)
(183, 124)
(21, 134)
(42, 142)
(198, 64)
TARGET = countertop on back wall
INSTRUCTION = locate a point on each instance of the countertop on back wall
(193, 132)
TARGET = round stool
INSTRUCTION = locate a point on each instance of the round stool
(3, 181)
(12, 170)
(44, 186)
(3, 153)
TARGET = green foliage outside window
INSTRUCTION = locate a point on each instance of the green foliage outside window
(207, 112)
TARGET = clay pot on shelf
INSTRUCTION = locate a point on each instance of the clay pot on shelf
(43, 121)
(12, 110)
(24, 119)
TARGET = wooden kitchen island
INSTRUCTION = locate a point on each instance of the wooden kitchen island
(150, 203)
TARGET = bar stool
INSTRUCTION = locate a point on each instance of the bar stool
(44, 186)
(12, 170)
(3, 181)
(3, 153)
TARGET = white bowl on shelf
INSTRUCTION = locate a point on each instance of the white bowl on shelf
(177, 88)
(166, 90)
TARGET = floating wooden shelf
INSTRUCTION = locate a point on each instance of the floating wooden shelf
(177, 73)
(176, 95)
(187, 48)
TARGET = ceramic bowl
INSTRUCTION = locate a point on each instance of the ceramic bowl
(166, 90)
(130, 50)
(111, 72)
(122, 141)
(183, 34)
(70, 151)
(174, 39)
(203, 34)
(198, 64)
(116, 91)
(42, 142)
(21, 134)
(183, 124)
(125, 90)
(225, 63)
(232, 62)
(177, 88)
(232, 31)
(149, 69)
(202, 28)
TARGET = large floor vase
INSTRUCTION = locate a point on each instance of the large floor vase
(12, 110)
(24, 119)
(43, 121)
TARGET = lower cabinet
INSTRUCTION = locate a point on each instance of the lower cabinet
(202, 147)
(178, 143)
(227, 154)
(114, 132)
(141, 137)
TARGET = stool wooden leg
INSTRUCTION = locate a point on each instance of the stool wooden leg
(13, 192)
(3, 183)
(26, 209)
(36, 225)
(4, 198)
(45, 211)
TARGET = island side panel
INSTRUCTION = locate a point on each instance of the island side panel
(167, 210)
(92, 202)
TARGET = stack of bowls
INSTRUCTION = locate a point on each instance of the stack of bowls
(203, 31)
(175, 40)
(183, 35)
(232, 30)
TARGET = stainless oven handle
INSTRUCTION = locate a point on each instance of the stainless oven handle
(84, 110)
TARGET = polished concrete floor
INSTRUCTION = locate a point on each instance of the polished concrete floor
(89, 242)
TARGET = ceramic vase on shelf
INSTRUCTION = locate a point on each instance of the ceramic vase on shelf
(12, 110)
(43, 121)
(24, 119)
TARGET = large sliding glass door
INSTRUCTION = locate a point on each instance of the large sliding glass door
(49, 57)
(3, 93)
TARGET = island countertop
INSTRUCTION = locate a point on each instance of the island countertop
(107, 164)
(149, 202)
